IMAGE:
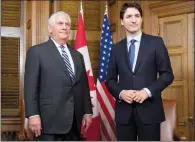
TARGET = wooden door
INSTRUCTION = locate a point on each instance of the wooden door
(174, 30)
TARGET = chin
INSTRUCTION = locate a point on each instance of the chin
(64, 37)
(133, 32)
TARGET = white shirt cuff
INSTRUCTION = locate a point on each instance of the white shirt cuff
(148, 92)
(33, 116)
(120, 99)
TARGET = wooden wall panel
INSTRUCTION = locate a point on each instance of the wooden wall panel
(10, 13)
(92, 15)
(70, 7)
(10, 73)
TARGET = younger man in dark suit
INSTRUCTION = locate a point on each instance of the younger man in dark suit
(132, 79)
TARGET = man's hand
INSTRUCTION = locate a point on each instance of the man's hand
(140, 96)
(34, 123)
(128, 95)
(87, 119)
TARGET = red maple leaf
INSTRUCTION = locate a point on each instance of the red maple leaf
(91, 81)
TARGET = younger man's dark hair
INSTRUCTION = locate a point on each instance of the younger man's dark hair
(130, 5)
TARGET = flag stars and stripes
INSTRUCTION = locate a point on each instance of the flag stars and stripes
(105, 98)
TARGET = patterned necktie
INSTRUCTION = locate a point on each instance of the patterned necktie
(67, 62)
(132, 52)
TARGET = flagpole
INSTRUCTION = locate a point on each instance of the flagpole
(106, 10)
(81, 7)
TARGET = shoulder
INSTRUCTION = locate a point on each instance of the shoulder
(152, 37)
(38, 47)
(122, 42)
(119, 44)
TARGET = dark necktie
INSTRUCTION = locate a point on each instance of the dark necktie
(67, 62)
(132, 52)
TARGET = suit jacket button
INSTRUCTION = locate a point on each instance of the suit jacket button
(133, 75)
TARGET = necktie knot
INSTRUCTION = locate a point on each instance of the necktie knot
(133, 41)
(62, 48)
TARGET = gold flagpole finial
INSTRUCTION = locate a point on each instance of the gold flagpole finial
(81, 5)
(106, 10)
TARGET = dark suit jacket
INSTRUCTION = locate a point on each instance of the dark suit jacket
(152, 59)
(49, 91)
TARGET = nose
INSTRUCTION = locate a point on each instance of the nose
(133, 19)
(64, 26)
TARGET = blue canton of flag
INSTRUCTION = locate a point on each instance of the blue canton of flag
(105, 48)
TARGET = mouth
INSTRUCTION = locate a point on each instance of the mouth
(133, 26)
(63, 33)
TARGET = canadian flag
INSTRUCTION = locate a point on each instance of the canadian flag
(93, 132)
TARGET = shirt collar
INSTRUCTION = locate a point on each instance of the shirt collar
(56, 44)
(137, 38)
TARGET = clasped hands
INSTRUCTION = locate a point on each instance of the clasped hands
(130, 96)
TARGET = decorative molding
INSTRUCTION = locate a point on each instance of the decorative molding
(157, 4)
(113, 27)
(29, 23)
(170, 8)
(10, 124)
(111, 2)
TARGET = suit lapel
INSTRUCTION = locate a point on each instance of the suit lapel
(125, 52)
(57, 57)
(143, 49)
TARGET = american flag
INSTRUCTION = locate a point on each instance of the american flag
(106, 101)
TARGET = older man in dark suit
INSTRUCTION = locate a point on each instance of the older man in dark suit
(134, 65)
(56, 92)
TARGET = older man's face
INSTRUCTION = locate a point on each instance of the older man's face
(60, 30)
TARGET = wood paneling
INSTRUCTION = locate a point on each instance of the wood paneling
(10, 73)
(70, 7)
(92, 15)
(176, 26)
(191, 59)
(10, 13)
